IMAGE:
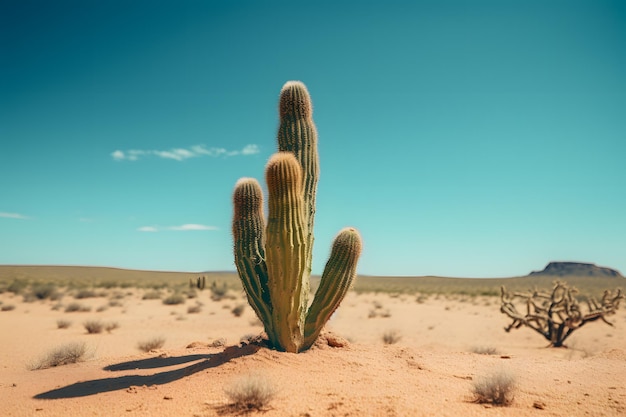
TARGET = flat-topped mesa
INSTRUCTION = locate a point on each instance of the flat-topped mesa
(577, 269)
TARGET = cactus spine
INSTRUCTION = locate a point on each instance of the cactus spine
(274, 259)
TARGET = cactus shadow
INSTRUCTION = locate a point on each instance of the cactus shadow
(97, 386)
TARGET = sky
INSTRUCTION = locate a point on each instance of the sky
(461, 138)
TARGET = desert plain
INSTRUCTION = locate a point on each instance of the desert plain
(395, 347)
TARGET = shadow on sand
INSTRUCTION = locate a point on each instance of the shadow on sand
(97, 386)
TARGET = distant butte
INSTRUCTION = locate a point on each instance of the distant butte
(578, 269)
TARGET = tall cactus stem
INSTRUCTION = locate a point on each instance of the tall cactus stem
(337, 278)
(297, 134)
(249, 236)
(286, 250)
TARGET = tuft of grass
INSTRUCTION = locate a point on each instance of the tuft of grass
(85, 294)
(391, 337)
(109, 327)
(74, 307)
(152, 295)
(63, 355)
(44, 291)
(151, 344)
(251, 392)
(485, 350)
(496, 388)
(93, 326)
(174, 299)
(194, 309)
(63, 324)
(238, 310)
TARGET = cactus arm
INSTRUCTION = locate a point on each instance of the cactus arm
(297, 134)
(338, 275)
(249, 235)
(286, 248)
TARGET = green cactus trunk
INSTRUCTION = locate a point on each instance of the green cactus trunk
(274, 259)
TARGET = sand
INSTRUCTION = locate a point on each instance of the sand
(430, 371)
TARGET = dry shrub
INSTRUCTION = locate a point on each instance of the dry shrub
(7, 307)
(391, 337)
(496, 388)
(238, 310)
(251, 392)
(110, 326)
(63, 355)
(85, 294)
(152, 295)
(63, 324)
(484, 350)
(194, 309)
(174, 299)
(151, 344)
(93, 326)
(74, 307)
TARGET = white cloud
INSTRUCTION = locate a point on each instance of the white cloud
(185, 227)
(13, 216)
(182, 228)
(180, 154)
(250, 150)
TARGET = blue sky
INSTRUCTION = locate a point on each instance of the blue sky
(462, 138)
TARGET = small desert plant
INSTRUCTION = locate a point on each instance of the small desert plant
(74, 307)
(115, 303)
(218, 291)
(194, 309)
(7, 307)
(110, 326)
(238, 310)
(102, 308)
(17, 286)
(252, 392)
(85, 294)
(391, 337)
(151, 344)
(496, 388)
(484, 350)
(63, 324)
(44, 291)
(70, 353)
(174, 299)
(152, 295)
(93, 326)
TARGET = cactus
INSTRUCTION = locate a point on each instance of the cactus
(274, 258)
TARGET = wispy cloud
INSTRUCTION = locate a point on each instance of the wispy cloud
(181, 228)
(13, 216)
(180, 154)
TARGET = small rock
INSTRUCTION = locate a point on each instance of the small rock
(540, 405)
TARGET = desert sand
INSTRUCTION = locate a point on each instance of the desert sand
(429, 371)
